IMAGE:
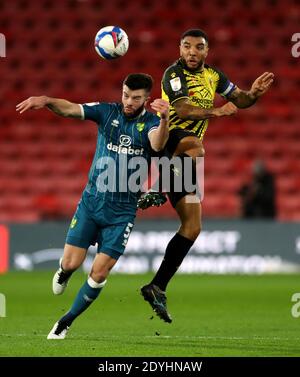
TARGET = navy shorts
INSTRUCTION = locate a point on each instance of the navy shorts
(106, 222)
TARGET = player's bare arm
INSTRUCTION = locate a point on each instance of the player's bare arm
(59, 106)
(159, 137)
(243, 99)
(185, 110)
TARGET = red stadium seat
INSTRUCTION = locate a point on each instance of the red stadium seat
(51, 52)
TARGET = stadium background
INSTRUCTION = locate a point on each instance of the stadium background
(44, 160)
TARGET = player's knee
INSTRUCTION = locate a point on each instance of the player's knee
(70, 264)
(191, 230)
(194, 232)
(99, 276)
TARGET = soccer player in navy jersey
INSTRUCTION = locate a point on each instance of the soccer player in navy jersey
(106, 212)
(189, 85)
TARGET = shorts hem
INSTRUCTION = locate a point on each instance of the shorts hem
(79, 242)
(110, 252)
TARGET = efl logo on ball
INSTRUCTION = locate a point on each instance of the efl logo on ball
(111, 42)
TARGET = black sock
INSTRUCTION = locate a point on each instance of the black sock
(64, 275)
(176, 250)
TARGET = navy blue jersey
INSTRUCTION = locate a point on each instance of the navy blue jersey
(121, 144)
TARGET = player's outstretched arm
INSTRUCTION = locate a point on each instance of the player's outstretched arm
(159, 137)
(58, 106)
(186, 111)
(243, 99)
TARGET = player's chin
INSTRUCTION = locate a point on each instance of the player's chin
(129, 111)
(193, 65)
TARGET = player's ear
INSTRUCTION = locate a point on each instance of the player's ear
(206, 52)
(148, 98)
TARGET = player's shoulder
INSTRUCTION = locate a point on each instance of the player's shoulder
(116, 106)
(176, 67)
(100, 103)
(111, 107)
(213, 69)
(150, 117)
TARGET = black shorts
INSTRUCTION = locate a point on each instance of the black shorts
(174, 138)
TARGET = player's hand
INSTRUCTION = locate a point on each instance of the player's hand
(32, 103)
(262, 84)
(161, 106)
(228, 109)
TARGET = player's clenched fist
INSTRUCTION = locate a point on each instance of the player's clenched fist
(161, 106)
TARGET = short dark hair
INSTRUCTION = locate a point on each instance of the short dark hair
(136, 81)
(195, 33)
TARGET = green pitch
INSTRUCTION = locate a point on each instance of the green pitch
(212, 316)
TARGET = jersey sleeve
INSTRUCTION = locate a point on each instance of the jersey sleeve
(174, 84)
(225, 86)
(154, 124)
(95, 111)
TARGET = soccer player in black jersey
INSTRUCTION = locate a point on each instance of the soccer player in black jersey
(190, 86)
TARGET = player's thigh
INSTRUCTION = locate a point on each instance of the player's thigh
(183, 180)
(112, 240)
(73, 257)
(190, 145)
(82, 232)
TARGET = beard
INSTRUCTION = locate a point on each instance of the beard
(136, 113)
(200, 65)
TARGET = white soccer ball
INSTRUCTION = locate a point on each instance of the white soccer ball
(111, 42)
